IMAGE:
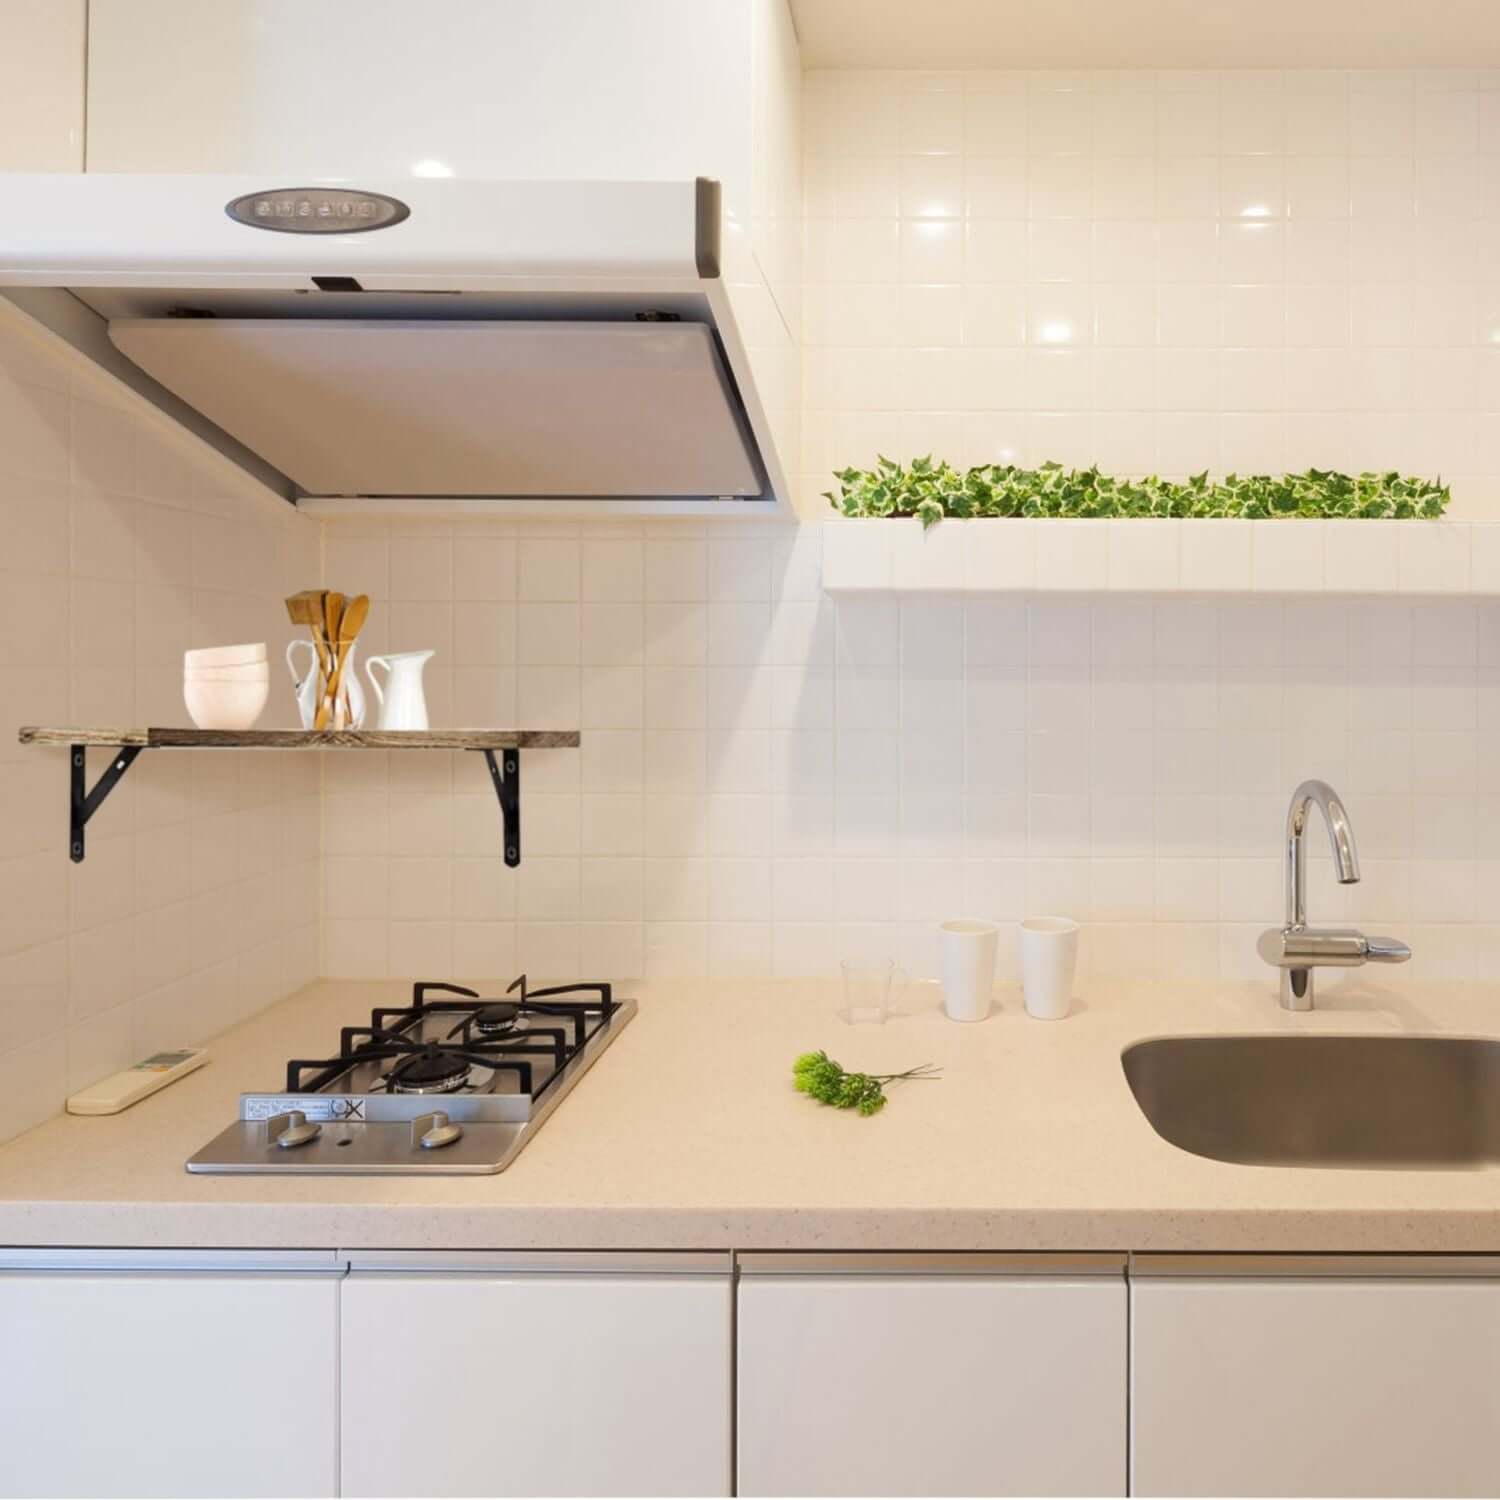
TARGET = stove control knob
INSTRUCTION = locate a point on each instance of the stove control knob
(291, 1129)
(434, 1130)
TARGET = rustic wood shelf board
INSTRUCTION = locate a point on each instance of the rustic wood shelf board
(306, 739)
(84, 802)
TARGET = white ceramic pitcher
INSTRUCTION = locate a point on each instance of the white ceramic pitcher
(307, 685)
(402, 702)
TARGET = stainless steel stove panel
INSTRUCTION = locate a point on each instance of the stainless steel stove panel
(364, 1150)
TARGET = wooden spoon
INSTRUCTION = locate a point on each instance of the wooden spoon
(333, 613)
(350, 625)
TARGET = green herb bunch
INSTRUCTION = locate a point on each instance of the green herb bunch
(817, 1074)
(931, 489)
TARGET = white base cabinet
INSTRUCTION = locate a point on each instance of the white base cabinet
(433, 1374)
(552, 1375)
(167, 1375)
(1314, 1378)
(931, 1375)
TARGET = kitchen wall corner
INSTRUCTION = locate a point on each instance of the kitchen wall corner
(198, 903)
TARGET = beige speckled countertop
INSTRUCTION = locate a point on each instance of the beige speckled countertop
(687, 1134)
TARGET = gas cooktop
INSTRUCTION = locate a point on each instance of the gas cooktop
(452, 1083)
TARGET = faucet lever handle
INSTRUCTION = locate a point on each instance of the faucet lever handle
(1386, 950)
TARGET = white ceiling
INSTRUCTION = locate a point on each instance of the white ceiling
(1148, 33)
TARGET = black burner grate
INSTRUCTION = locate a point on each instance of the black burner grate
(505, 1036)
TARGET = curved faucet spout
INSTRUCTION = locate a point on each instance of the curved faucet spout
(1317, 794)
(1297, 949)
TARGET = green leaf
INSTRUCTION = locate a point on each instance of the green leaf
(930, 489)
(817, 1075)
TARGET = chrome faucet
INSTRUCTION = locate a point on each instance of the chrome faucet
(1298, 949)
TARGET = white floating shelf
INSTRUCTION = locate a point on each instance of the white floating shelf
(1408, 558)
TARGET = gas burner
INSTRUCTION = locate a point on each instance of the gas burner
(432, 1071)
(491, 1067)
(499, 1018)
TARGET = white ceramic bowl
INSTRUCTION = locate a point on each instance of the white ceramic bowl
(225, 656)
(225, 705)
(256, 672)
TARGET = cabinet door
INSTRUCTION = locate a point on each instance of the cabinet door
(926, 1383)
(1315, 1386)
(575, 1376)
(591, 89)
(167, 1382)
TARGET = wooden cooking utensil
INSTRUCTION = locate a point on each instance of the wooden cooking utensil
(306, 608)
(333, 613)
(350, 624)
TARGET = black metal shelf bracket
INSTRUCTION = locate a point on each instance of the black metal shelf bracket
(508, 791)
(83, 803)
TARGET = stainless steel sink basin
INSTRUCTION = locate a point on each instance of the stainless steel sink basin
(1323, 1101)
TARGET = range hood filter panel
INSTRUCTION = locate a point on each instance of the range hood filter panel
(454, 408)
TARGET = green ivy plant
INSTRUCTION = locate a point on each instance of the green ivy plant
(930, 490)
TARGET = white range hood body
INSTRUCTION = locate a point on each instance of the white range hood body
(510, 345)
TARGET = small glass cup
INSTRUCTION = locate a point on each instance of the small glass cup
(869, 992)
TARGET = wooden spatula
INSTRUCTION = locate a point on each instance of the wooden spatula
(306, 608)
(350, 624)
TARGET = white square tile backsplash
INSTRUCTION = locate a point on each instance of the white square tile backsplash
(1153, 271)
(199, 901)
(776, 781)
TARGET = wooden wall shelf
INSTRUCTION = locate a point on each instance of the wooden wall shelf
(84, 802)
(306, 739)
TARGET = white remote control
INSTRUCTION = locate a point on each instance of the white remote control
(110, 1095)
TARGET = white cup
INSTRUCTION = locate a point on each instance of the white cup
(968, 969)
(1049, 955)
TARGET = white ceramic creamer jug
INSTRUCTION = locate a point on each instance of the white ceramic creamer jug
(402, 702)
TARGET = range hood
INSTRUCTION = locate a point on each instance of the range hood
(486, 344)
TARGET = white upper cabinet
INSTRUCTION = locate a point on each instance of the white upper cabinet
(929, 1383)
(393, 88)
(41, 85)
(1315, 1386)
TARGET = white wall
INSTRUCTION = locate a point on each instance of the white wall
(1156, 271)
(198, 901)
(763, 260)
(41, 85)
(769, 782)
